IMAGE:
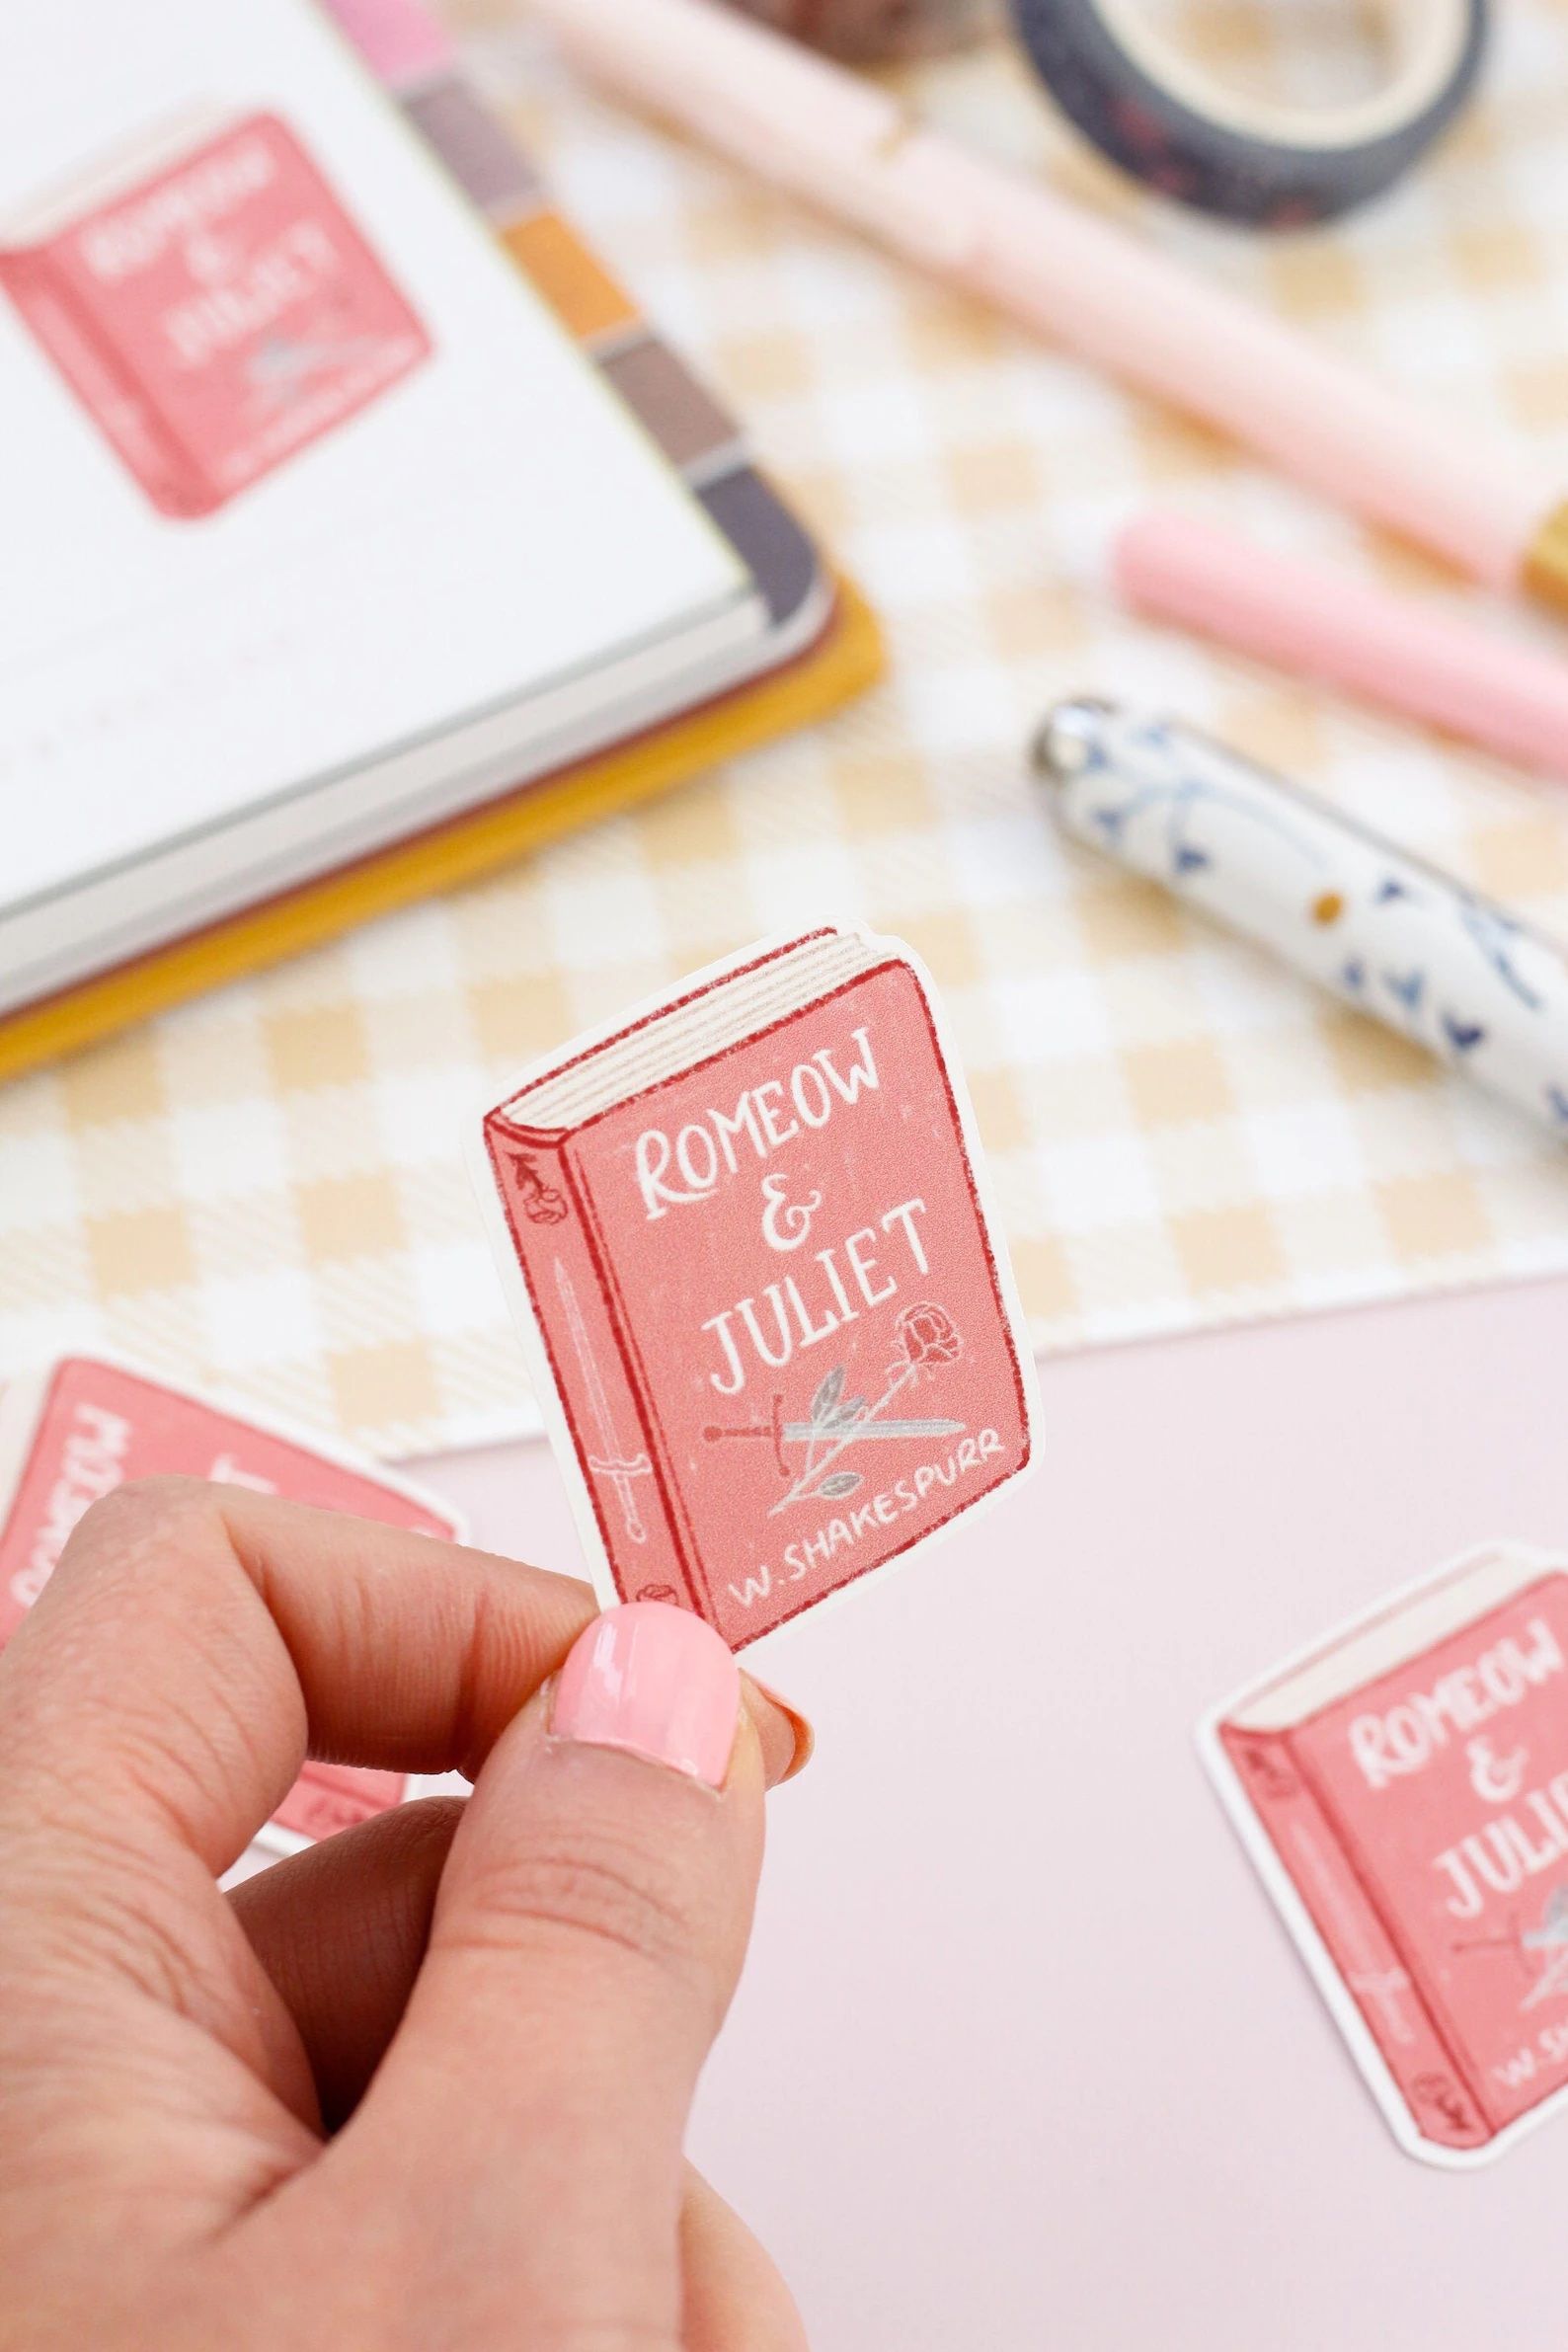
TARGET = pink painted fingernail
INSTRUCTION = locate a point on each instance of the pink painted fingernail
(656, 1682)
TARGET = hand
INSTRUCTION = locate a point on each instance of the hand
(425, 2085)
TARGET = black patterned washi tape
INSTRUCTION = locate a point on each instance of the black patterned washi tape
(1170, 124)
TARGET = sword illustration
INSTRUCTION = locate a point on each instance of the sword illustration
(282, 366)
(611, 1460)
(802, 1433)
(784, 1433)
(1550, 1937)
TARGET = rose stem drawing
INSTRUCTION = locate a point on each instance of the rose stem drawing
(927, 1336)
(612, 1461)
(1551, 1938)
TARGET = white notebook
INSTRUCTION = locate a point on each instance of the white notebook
(315, 524)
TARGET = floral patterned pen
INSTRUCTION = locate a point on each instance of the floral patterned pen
(1406, 944)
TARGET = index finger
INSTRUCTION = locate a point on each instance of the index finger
(192, 1644)
(196, 1642)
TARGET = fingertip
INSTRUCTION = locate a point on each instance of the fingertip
(660, 1681)
(654, 1681)
(785, 1736)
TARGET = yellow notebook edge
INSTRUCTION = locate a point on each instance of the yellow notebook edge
(845, 660)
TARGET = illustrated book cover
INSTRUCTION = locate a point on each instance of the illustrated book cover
(85, 1425)
(211, 304)
(1404, 1790)
(767, 1307)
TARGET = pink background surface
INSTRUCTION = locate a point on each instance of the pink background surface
(1023, 2057)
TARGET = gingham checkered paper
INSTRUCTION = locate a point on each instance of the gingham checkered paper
(267, 1187)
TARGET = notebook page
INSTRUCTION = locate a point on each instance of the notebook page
(488, 522)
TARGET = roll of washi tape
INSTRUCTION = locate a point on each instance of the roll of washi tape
(1173, 123)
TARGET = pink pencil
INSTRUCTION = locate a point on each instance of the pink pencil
(848, 146)
(1316, 622)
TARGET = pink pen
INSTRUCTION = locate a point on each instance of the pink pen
(1317, 622)
(846, 146)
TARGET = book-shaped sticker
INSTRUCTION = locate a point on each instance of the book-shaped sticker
(209, 302)
(86, 1424)
(1403, 1790)
(767, 1310)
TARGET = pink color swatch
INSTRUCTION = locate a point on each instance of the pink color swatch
(398, 40)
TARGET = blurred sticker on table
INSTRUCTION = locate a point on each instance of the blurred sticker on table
(1402, 1789)
(86, 1424)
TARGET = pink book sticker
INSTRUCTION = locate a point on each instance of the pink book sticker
(218, 314)
(1405, 1789)
(330, 1797)
(87, 1425)
(747, 1232)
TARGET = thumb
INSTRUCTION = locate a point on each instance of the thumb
(589, 1928)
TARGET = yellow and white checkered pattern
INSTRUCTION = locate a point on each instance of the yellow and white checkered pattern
(268, 1187)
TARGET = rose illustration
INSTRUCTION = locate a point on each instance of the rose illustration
(927, 1335)
(542, 1204)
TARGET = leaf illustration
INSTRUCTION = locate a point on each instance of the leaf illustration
(827, 1395)
(842, 1482)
